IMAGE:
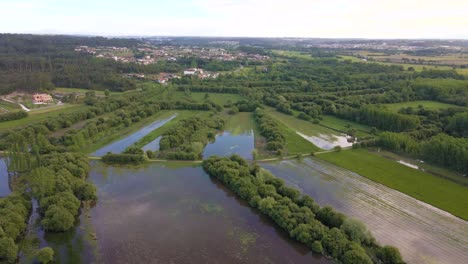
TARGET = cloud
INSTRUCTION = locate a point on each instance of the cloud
(292, 18)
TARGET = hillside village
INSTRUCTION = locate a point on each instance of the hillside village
(147, 54)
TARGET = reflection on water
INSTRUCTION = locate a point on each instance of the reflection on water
(4, 182)
(156, 214)
(73, 246)
(421, 232)
(328, 142)
(227, 144)
(121, 145)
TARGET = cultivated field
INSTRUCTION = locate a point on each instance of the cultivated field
(423, 233)
(428, 188)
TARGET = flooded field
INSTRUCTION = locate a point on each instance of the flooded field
(237, 138)
(227, 144)
(4, 182)
(328, 142)
(423, 233)
(159, 214)
(153, 145)
(120, 145)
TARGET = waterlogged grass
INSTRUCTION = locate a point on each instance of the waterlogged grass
(431, 105)
(295, 144)
(428, 188)
(212, 208)
(245, 238)
(41, 115)
(240, 123)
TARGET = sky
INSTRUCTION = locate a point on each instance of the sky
(244, 18)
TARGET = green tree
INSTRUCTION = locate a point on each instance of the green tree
(57, 219)
(45, 255)
(8, 249)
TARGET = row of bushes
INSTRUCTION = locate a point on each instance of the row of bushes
(323, 229)
(13, 116)
(111, 158)
(270, 130)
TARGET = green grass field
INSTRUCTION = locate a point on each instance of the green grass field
(342, 125)
(295, 144)
(416, 67)
(293, 54)
(305, 127)
(429, 168)
(431, 105)
(9, 106)
(41, 115)
(79, 90)
(428, 188)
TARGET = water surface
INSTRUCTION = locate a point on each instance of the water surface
(423, 233)
(120, 145)
(328, 142)
(153, 145)
(4, 179)
(158, 214)
(227, 144)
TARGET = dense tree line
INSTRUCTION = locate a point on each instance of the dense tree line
(322, 229)
(441, 149)
(15, 115)
(380, 118)
(14, 213)
(269, 129)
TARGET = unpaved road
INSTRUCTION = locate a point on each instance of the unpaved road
(423, 233)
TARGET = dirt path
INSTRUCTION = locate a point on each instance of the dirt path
(13, 102)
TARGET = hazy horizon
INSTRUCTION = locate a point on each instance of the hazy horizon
(360, 19)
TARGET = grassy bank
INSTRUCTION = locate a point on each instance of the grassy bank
(112, 136)
(428, 188)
